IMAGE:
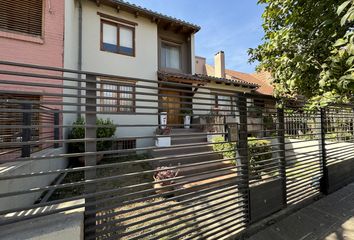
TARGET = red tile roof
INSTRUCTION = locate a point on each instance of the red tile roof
(263, 82)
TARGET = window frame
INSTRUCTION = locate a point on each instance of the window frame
(34, 36)
(118, 26)
(230, 112)
(117, 83)
(171, 44)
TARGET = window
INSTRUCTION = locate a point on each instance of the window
(22, 16)
(117, 97)
(125, 144)
(225, 104)
(117, 38)
(170, 56)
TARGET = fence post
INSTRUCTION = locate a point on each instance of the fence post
(56, 128)
(242, 147)
(281, 140)
(26, 132)
(90, 146)
(324, 180)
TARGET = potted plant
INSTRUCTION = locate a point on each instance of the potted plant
(163, 138)
(187, 117)
(105, 129)
(163, 173)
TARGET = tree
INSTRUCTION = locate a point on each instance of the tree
(309, 49)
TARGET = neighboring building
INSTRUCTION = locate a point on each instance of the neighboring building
(31, 32)
(261, 106)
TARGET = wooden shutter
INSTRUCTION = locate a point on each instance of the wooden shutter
(24, 16)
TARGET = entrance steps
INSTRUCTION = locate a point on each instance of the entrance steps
(200, 166)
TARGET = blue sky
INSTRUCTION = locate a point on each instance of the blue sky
(230, 25)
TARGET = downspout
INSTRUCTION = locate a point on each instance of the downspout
(79, 67)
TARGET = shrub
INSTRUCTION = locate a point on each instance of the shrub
(258, 150)
(219, 145)
(105, 129)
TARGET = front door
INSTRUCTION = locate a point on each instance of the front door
(171, 104)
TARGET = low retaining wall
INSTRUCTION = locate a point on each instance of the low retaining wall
(65, 225)
(18, 184)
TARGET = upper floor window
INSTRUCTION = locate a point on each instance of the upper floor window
(22, 16)
(117, 38)
(170, 56)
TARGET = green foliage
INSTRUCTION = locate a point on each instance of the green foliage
(105, 129)
(258, 150)
(309, 49)
(187, 112)
(220, 145)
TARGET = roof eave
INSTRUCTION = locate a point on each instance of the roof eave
(154, 16)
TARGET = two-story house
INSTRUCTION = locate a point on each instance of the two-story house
(117, 38)
(122, 39)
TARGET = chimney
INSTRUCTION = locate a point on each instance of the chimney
(219, 62)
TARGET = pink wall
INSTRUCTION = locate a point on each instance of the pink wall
(47, 51)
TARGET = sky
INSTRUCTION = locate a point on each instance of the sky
(233, 26)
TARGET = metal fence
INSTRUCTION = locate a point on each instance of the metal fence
(157, 159)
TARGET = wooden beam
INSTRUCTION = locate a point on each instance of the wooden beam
(153, 19)
(118, 8)
(98, 3)
(168, 26)
(179, 29)
(136, 14)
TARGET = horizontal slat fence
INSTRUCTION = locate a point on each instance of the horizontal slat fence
(157, 159)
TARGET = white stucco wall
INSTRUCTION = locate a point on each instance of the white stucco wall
(71, 45)
(143, 66)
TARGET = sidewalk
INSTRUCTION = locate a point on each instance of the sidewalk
(330, 218)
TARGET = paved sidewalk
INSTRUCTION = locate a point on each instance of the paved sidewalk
(330, 218)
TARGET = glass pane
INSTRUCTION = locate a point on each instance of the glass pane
(110, 97)
(109, 34)
(224, 104)
(170, 57)
(126, 37)
(126, 98)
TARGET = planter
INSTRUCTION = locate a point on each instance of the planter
(163, 141)
(159, 188)
(163, 119)
(187, 121)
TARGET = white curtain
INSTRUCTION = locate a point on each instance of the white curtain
(126, 37)
(109, 34)
(171, 57)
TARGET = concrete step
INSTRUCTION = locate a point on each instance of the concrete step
(162, 152)
(186, 130)
(204, 168)
(189, 159)
(187, 140)
(210, 180)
